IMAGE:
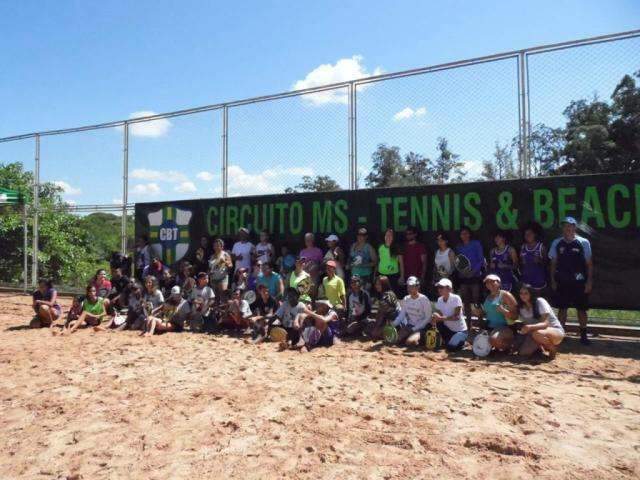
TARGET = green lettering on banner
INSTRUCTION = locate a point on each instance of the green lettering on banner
(342, 221)
(232, 219)
(456, 211)
(473, 218)
(384, 203)
(321, 213)
(399, 212)
(281, 207)
(542, 211)
(591, 207)
(272, 216)
(565, 206)
(440, 213)
(506, 217)
(419, 213)
(212, 227)
(295, 218)
(612, 210)
(244, 209)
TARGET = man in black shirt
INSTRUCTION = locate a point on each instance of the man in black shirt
(263, 310)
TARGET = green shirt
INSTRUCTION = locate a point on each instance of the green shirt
(387, 264)
(334, 289)
(96, 308)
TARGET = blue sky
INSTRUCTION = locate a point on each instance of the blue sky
(72, 63)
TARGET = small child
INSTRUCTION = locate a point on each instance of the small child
(286, 262)
(264, 249)
(75, 311)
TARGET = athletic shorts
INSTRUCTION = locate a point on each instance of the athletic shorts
(572, 295)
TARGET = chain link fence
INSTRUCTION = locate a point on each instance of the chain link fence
(481, 108)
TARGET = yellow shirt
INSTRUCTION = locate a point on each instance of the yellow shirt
(334, 289)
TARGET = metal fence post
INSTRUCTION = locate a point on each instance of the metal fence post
(523, 110)
(225, 150)
(125, 185)
(25, 244)
(36, 212)
(353, 143)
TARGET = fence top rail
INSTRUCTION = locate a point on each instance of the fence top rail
(374, 78)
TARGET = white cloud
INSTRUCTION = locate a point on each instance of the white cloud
(116, 201)
(205, 176)
(409, 112)
(243, 183)
(343, 70)
(151, 129)
(148, 174)
(147, 189)
(291, 171)
(185, 187)
(66, 188)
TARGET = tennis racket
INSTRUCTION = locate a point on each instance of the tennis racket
(462, 264)
(119, 320)
(390, 334)
(433, 339)
(249, 296)
(304, 286)
(278, 334)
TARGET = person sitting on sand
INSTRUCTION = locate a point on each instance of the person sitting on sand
(170, 316)
(152, 293)
(119, 288)
(203, 301)
(325, 319)
(263, 312)
(93, 311)
(236, 313)
(45, 305)
(542, 329)
(500, 309)
(290, 316)
(388, 307)
(75, 311)
(449, 318)
(414, 316)
(358, 307)
(136, 315)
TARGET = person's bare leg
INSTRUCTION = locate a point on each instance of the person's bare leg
(76, 325)
(501, 339)
(549, 339)
(413, 340)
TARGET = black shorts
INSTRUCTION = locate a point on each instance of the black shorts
(572, 295)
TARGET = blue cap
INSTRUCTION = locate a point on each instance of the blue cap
(569, 220)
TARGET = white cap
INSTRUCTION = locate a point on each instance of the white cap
(492, 276)
(175, 290)
(444, 282)
(324, 302)
(332, 238)
(412, 281)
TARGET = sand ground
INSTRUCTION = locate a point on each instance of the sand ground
(186, 406)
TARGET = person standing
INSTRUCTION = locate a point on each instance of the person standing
(362, 258)
(220, 263)
(243, 250)
(444, 258)
(572, 274)
(390, 260)
(335, 253)
(334, 286)
(264, 249)
(414, 256)
(470, 278)
(503, 260)
(533, 259)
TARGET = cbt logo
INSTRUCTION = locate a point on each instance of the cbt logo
(169, 233)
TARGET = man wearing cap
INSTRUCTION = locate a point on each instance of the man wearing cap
(333, 286)
(243, 250)
(362, 258)
(572, 274)
(358, 307)
(335, 253)
(448, 317)
(414, 316)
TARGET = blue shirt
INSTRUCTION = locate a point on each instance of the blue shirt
(271, 282)
(586, 247)
(473, 251)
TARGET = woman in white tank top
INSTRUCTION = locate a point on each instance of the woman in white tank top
(444, 258)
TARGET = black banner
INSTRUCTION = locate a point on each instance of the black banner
(607, 208)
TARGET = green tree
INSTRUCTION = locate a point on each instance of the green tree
(624, 127)
(319, 183)
(387, 169)
(418, 170)
(501, 166)
(447, 167)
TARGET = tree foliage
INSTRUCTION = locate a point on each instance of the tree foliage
(319, 183)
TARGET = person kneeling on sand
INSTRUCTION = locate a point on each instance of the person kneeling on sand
(170, 316)
(358, 308)
(290, 316)
(263, 313)
(326, 321)
(500, 310)
(388, 307)
(236, 313)
(93, 311)
(45, 305)
(541, 328)
(449, 318)
(414, 315)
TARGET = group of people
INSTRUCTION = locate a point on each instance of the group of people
(318, 296)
